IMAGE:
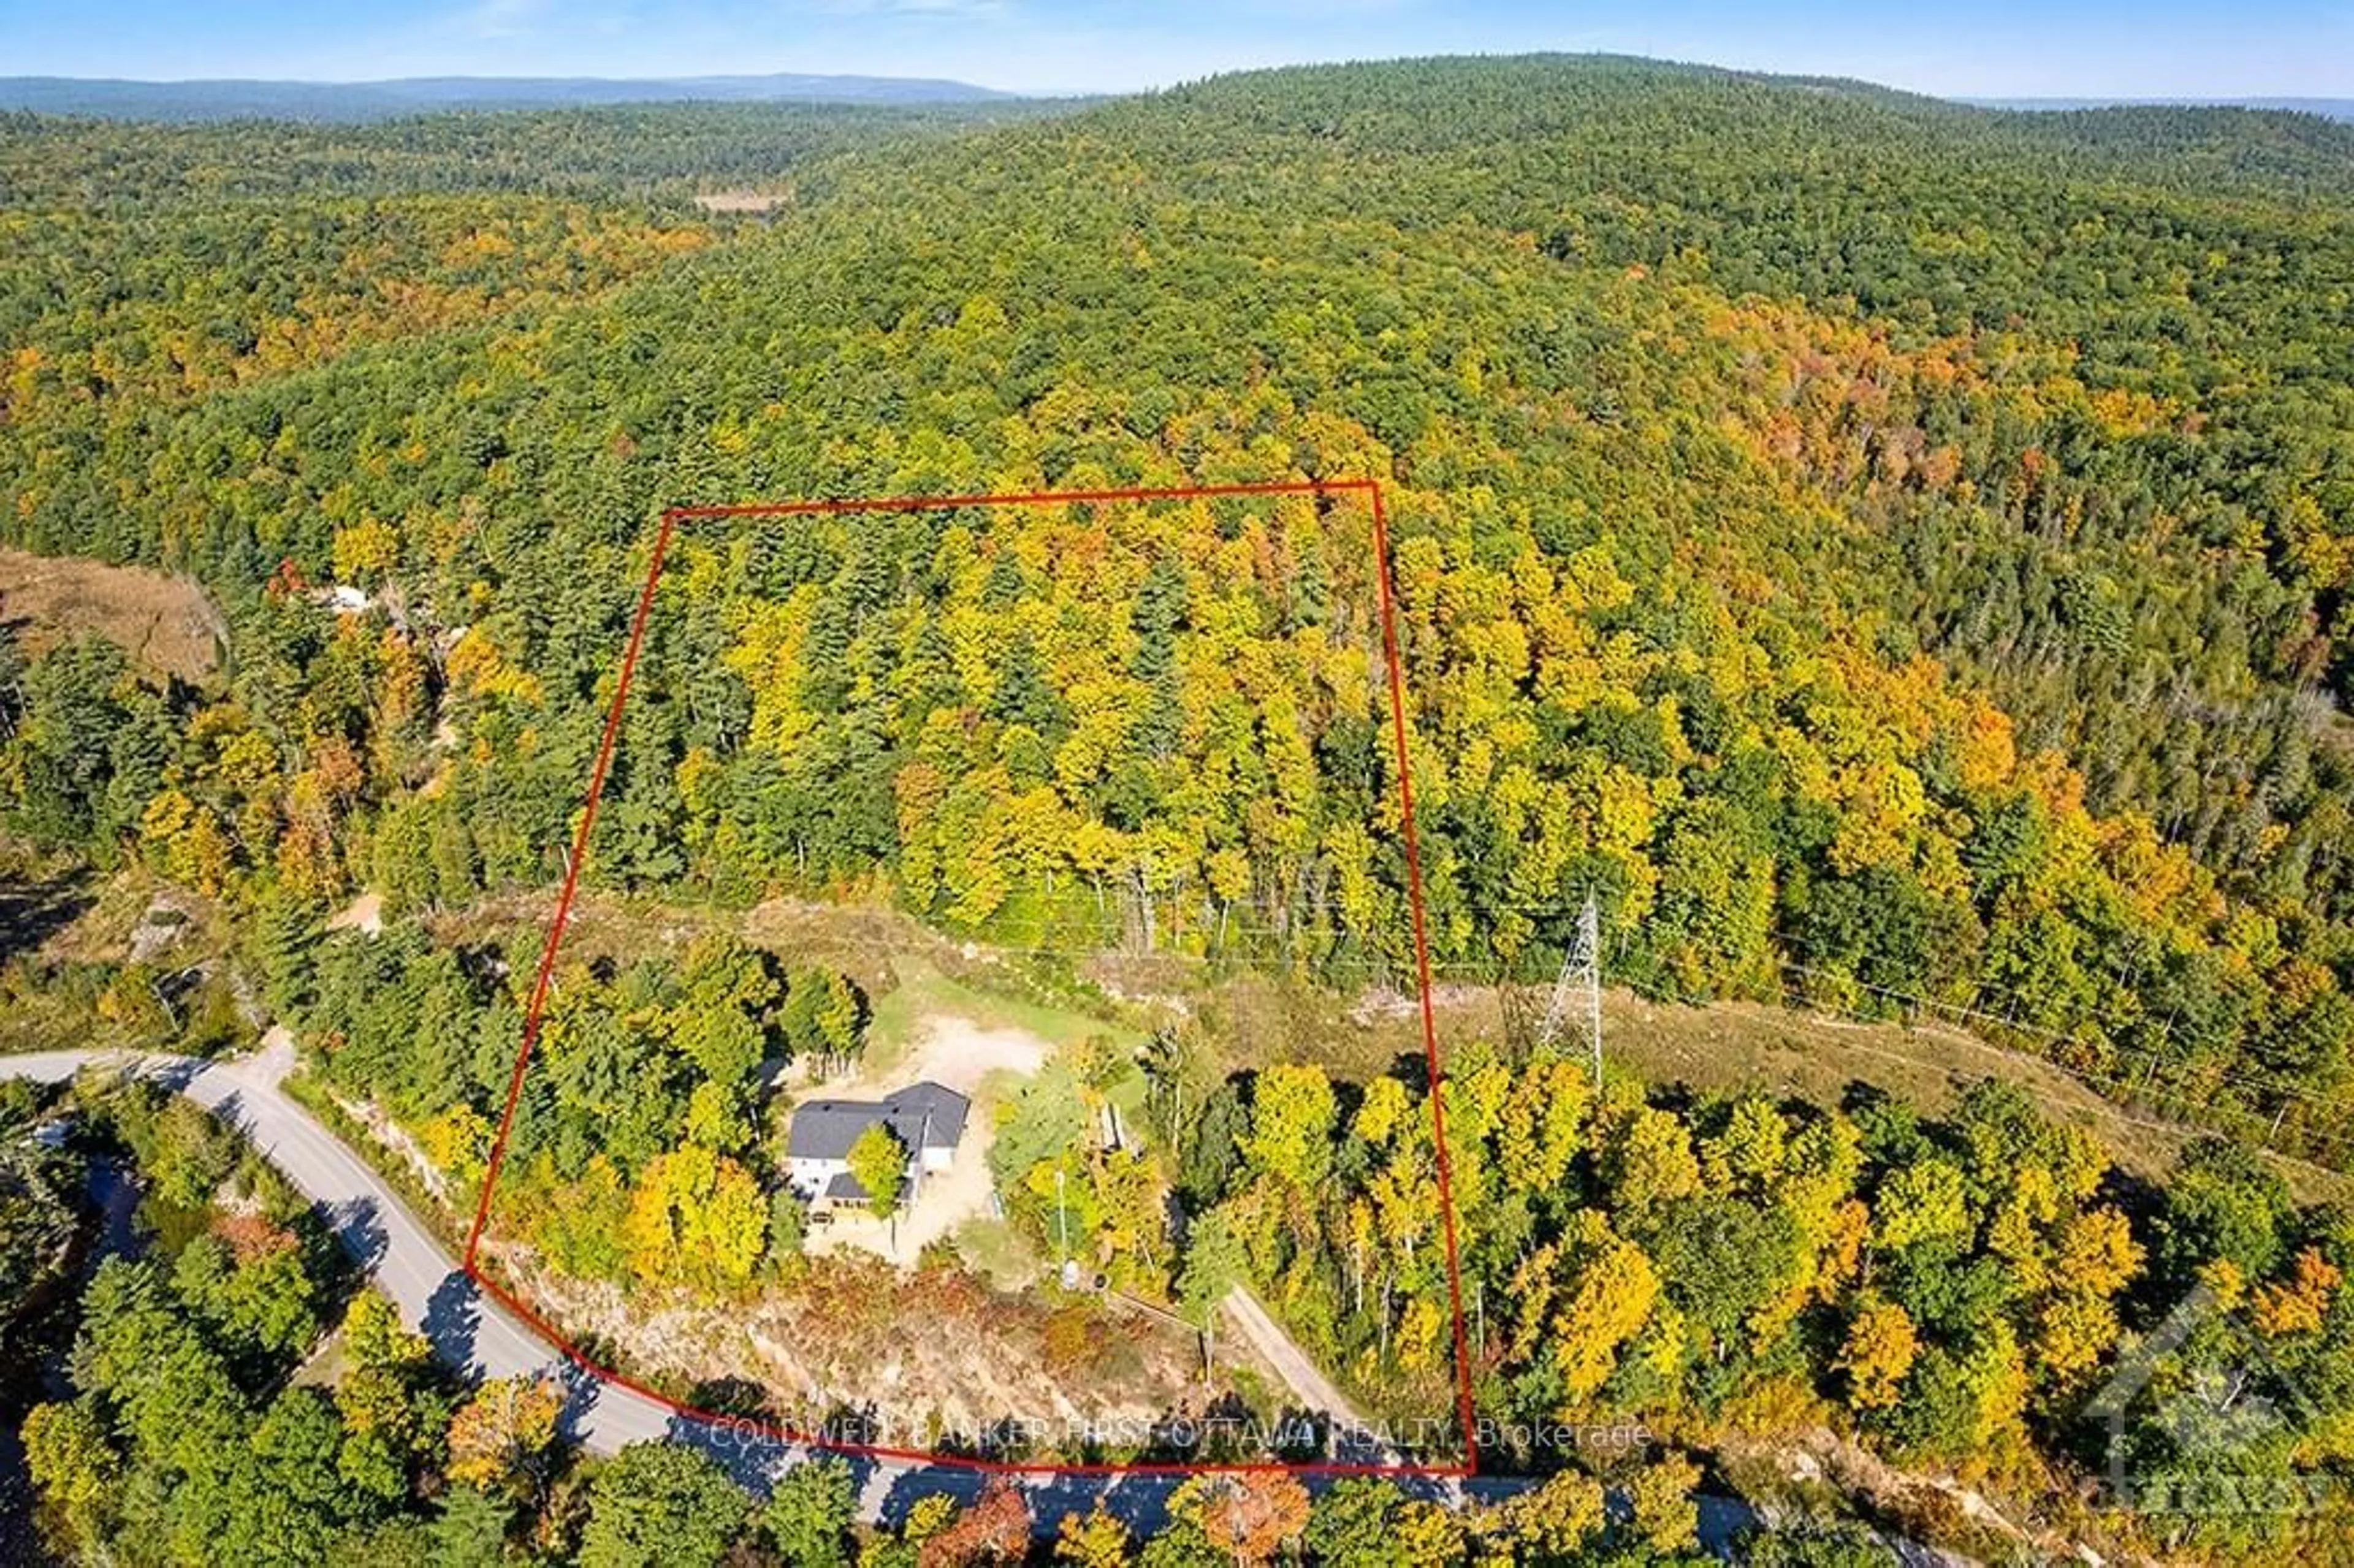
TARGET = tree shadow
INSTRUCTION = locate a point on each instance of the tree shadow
(31, 912)
(356, 1224)
(1857, 1096)
(1412, 1069)
(756, 1456)
(176, 1076)
(582, 1390)
(738, 1398)
(1301, 1436)
(959, 1484)
(1139, 1502)
(453, 1314)
(228, 1110)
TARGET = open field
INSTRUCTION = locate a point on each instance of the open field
(165, 624)
(907, 1020)
(1724, 1047)
(907, 971)
(1809, 1055)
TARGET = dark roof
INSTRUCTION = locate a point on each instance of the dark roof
(922, 1116)
(936, 1113)
(824, 1129)
(847, 1189)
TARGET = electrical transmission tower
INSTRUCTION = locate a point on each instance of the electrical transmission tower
(1578, 991)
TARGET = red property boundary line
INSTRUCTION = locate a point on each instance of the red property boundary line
(671, 520)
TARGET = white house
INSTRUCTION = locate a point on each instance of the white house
(927, 1118)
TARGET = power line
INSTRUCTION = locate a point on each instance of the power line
(2108, 1024)
(1801, 1006)
(1088, 942)
(1579, 980)
(1580, 986)
(2201, 1113)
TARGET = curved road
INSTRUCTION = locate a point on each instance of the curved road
(468, 1330)
(473, 1332)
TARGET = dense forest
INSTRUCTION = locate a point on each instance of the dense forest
(1895, 557)
(202, 1428)
(1953, 607)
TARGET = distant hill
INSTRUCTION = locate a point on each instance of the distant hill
(230, 99)
(2327, 107)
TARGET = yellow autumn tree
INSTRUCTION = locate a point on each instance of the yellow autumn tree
(1428, 1534)
(1652, 1162)
(496, 1435)
(1552, 1523)
(1610, 1294)
(186, 842)
(1879, 1348)
(1660, 1498)
(367, 551)
(2073, 1331)
(696, 1220)
(2096, 1252)
(1539, 1121)
(1094, 1539)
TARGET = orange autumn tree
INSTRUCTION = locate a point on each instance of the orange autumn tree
(499, 1434)
(994, 1529)
(1250, 1516)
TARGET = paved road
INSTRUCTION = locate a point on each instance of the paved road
(473, 1333)
(468, 1330)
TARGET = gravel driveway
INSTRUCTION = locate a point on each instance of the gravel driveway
(962, 1055)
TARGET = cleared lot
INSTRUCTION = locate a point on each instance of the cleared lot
(164, 623)
(976, 1062)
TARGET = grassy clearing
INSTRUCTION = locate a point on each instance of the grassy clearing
(999, 1253)
(1252, 1020)
(1730, 1047)
(909, 973)
(1805, 1056)
(924, 993)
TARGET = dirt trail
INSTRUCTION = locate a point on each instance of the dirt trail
(1309, 1386)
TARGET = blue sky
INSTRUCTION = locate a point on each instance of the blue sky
(1989, 47)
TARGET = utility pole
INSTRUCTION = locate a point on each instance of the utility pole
(1579, 986)
(1069, 1271)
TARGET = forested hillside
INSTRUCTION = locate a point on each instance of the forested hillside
(1897, 557)
(366, 101)
(1903, 541)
